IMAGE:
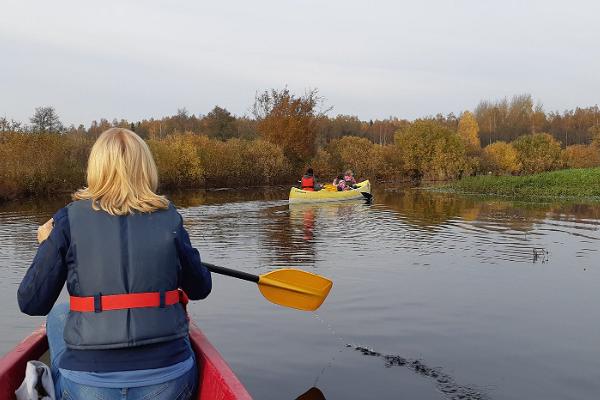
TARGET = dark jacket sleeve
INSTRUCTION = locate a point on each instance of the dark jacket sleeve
(195, 279)
(46, 276)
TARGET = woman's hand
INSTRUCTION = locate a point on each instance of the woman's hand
(44, 230)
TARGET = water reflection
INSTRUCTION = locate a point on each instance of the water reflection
(498, 293)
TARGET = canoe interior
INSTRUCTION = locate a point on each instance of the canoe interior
(216, 379)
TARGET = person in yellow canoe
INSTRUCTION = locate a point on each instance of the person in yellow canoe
(127, 260)
(349, 178)
(309, 181)
(340, 183)
(345, 182)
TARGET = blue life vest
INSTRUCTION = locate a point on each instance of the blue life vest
(133, 253)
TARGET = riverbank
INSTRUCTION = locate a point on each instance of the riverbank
(583, 183)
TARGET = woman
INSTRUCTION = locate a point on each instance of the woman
(124, 253)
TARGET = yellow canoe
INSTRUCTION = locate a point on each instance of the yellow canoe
(304, 196)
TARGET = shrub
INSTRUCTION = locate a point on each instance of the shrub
(238, 162)
(432, 151)
(177, 162)
(265, 162)
(351, 152)
(537, 152)
(32, 164)
(386, 162)
(500, 158)
(324, 167)
(581, 156)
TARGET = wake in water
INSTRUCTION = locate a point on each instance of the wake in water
(444, 382)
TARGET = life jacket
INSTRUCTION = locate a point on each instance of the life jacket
(308, 183)
(341, 185)
(121, 263)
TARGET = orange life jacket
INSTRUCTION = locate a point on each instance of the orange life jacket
(308, 183)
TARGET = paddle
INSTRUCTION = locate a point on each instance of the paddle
(287, 287)
(312, 394)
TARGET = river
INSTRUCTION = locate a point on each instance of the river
(435, 296)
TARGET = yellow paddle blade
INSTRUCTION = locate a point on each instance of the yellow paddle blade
(295, 288)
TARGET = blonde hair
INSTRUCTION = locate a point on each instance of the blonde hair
(121, 175)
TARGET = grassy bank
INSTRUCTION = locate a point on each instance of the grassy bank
(581, 183)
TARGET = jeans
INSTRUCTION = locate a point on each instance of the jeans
(181, 388)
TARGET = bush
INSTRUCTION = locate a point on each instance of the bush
(32, 164)
(266, 162)
(500, 158)
(324, 166)
(581, 156)
(351, 152)
(238, 162)
(366, 159)
(432, 151)
(177, 162)
(386, 162)
(538, 152)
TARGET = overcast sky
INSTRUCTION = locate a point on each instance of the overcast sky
(141, 59)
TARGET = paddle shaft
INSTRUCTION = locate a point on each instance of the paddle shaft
(231, 272)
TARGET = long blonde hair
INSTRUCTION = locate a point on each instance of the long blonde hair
(121, 175)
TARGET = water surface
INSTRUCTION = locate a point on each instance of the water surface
(480, 298)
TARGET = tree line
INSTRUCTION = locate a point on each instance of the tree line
(286, 132)
(498, 120)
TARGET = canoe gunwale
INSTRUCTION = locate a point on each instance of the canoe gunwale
(216, 379)
(12, 365)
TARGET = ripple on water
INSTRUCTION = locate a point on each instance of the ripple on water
(444, 275)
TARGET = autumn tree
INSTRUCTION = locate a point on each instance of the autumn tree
(289, 121)
(220, 124)
(468, 130)
(45, 119)
(594, 132)
(538, 152)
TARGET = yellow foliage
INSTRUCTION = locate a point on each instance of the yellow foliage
(176, 160)
(351, 152)
(432, 151)
(41, 163)
(581, 156)
(324, 166)
(386, 162)
(537, 153)
(363, 157)
(468, 130)
(501, 158)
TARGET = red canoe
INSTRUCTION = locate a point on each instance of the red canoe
(216, 381)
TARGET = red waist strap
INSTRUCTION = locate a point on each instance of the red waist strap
(130, 300)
